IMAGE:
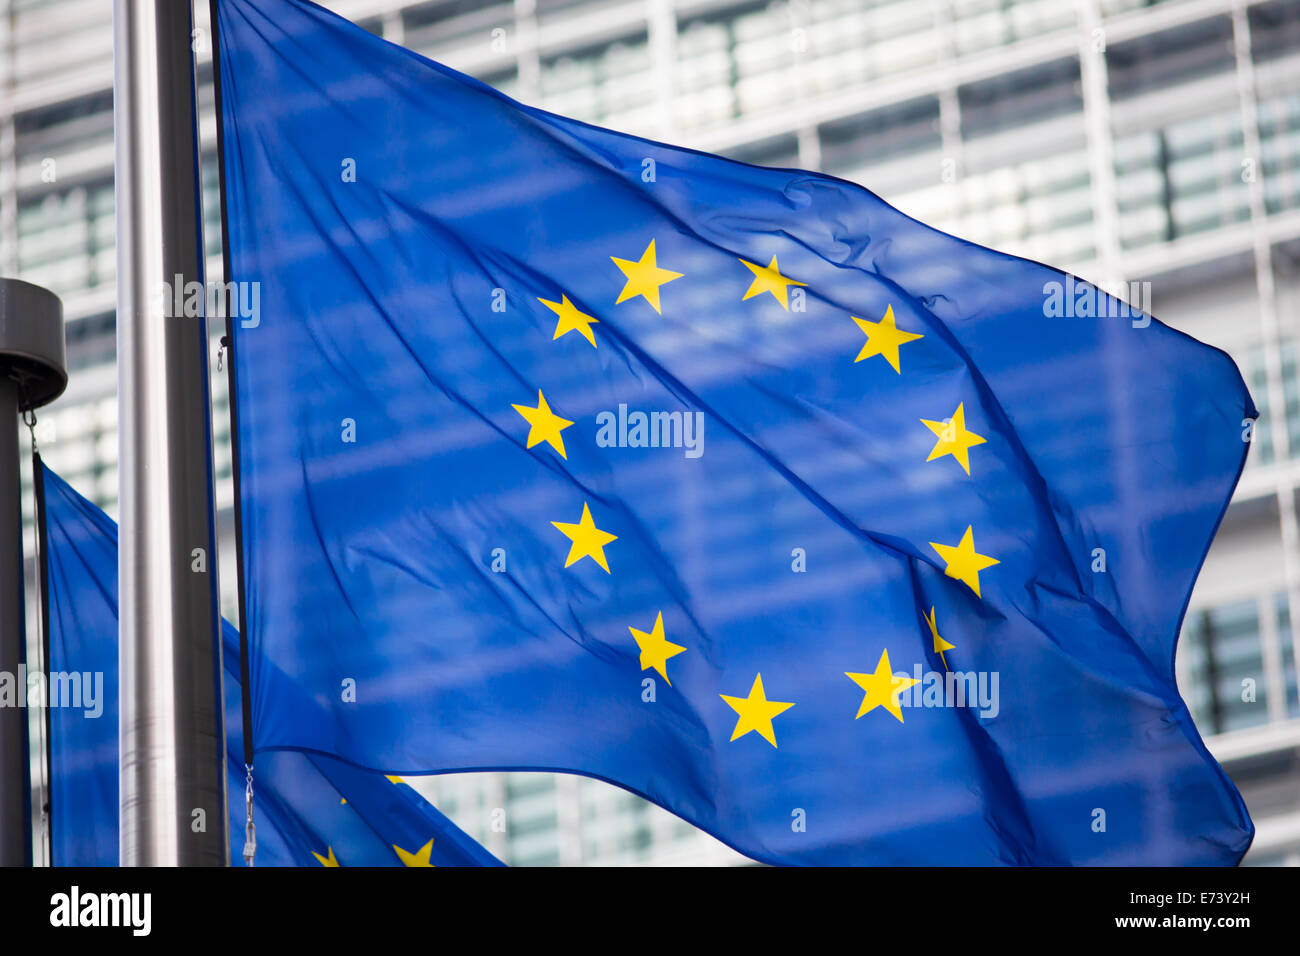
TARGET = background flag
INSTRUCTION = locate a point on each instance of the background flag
(844, 539)
(311, 810)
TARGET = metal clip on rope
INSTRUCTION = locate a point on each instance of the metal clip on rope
(250, 831)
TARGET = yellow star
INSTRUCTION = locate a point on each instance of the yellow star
(544, 425)
(570, 319)
(769, 279)
(588, 540)
(326, 860)
(421, 857)
(940, 645)
(655, 648)
(756, 712)
(954, 439)
(882, 688)
(644, 277)
(884, 338)
(963, 562)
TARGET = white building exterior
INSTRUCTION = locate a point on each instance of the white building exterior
(1123, 140)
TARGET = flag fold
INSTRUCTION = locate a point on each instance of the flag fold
(311, 809)
(562, 449)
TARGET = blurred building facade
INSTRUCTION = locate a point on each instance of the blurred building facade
(1122, 140)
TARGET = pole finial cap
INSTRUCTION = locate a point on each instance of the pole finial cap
(32, 347)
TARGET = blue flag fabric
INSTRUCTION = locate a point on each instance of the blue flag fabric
(845, 540)
(311, 809)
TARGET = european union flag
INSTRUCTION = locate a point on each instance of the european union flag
(312, 810)
(734, 486)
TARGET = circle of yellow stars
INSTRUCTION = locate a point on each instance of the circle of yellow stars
(644, 278)
(755, 712)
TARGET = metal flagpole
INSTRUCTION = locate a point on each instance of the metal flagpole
(173, 781)
(15, 765)
(32, 373)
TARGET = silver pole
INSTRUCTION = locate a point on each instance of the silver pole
(173, 782)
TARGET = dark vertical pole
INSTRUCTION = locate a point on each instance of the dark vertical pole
(32, 373)
(43, 612)
(15, 760)
(1208, 638)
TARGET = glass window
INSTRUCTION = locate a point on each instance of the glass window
(1279, 141)
(67, 124)
(610, 84)
(1016, 99)
(853, 144)
(65, 237)
(1159, 60)
(782, 152)
(981, 24)
(1287, 639)
(1181, 179)
(50, 44)
(1274, 29)
(1223, 652)
(1041, 208)
(703, 81)
(1262, 451)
